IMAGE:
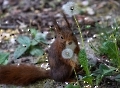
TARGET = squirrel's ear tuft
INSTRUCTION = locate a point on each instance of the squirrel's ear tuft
(65, 18)
(57, 27)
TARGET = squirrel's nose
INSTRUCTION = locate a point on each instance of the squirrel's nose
(69, 43)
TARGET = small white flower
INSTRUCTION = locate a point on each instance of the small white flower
(71, 8)
(67, 53)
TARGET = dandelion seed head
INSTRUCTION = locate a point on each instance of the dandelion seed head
(71, 8)
(67, 53)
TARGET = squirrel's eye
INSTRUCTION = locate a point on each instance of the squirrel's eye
(62, 37)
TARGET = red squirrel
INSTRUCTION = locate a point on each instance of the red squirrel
(60, 68)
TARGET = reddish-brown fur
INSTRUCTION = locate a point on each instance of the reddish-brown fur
(60, 68)
(21, 74)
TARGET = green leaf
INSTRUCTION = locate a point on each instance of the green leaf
(105, 69)
(84, 61)
(88, 79)
(109, 48)
(98, 79)
(20, 51)
(40, 37)
(25, 44)
(72, 86)
(34, 42)
(69, 86)
(37, 52)
(33, 31)
(4, 58)
(117, 78)
(24, 40)
(102, 71)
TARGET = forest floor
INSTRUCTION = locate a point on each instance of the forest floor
(19, 17)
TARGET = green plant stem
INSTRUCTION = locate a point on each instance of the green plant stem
(117, 53)
(79, 29)
(76, 77)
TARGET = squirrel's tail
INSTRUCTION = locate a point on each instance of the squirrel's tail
(22, 74)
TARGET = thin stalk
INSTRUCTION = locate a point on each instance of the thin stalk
(76, 77)
(79, 29)
(117, 53)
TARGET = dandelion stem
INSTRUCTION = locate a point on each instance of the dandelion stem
(76, 77)
(79, 30)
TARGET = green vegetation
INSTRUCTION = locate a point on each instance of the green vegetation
(109, 48)
(72, 86)
(30, 46)
(4, 58)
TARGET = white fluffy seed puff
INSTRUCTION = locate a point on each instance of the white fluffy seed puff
(67, 53)
(71, 8)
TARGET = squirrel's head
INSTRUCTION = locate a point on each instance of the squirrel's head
(65, 36)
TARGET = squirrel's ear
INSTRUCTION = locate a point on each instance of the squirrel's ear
(64, 16)
(57, 27)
